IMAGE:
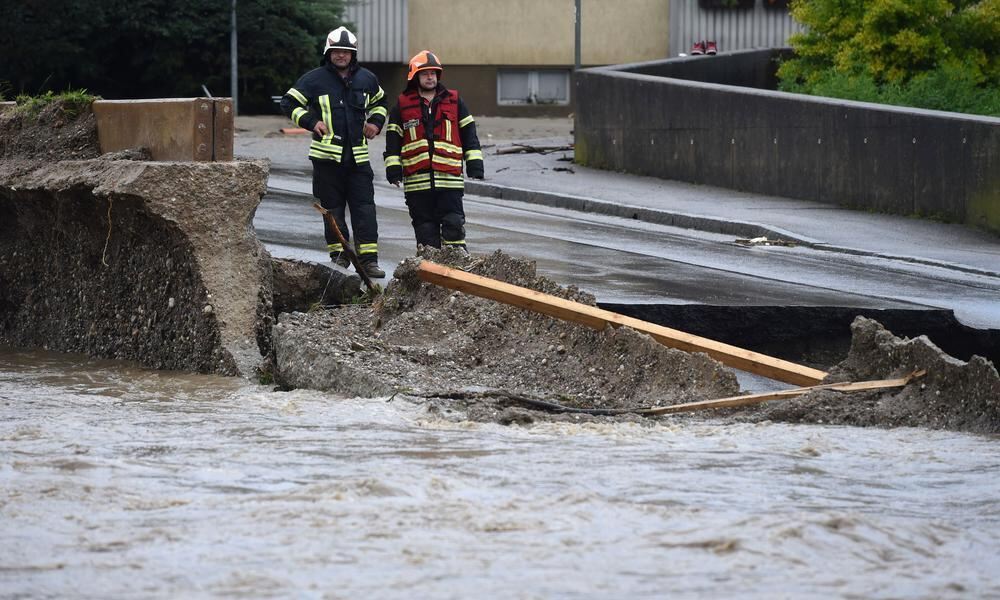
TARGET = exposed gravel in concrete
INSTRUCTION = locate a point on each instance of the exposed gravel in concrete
(154, 262)
(955, 395)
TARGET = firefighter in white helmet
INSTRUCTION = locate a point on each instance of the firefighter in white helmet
(342, 104)
(430, 134)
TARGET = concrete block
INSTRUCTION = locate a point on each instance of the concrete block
(183, 129)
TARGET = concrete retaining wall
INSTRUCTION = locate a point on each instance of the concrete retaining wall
(716, 120)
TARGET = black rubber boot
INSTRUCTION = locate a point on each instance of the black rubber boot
(370, 264)
(340, 259)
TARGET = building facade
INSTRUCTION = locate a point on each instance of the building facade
(517, 57)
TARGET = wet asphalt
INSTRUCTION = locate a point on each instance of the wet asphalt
(579, 227)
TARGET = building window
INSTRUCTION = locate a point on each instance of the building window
(517, 86)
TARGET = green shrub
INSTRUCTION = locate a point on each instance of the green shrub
(937, 54)
(839, 85)
(941, 89)
(945, 88)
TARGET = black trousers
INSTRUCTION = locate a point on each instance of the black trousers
(347, 185)
(437, 215)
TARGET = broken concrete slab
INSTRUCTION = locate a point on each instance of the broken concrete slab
(954, 394)
(118, 256)
(300, 286)
(154, 262)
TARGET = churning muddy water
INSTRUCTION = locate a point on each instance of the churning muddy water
(121, 482)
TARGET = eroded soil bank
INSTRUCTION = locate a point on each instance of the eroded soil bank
(478, 359)
(954, 394)
(425, 341)
(116, 256)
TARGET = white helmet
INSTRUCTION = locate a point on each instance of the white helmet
(341, 38)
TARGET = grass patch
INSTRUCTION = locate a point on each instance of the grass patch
(369, 296)
(71, 102)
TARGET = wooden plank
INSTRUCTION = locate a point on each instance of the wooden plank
(597, 318)
(749, 399)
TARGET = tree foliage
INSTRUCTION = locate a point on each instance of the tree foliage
(162, 48)
(942, 54)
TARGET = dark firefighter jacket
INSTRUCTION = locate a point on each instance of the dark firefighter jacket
(323, 95)
(425, 144)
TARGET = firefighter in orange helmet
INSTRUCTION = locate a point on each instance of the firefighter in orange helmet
(430, 134)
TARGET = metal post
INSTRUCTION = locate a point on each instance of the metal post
(576, 62)
(233, 86)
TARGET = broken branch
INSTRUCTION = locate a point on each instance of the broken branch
(526, 148)
(750, 399)
(348, 250)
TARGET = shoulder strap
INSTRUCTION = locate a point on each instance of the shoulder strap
(408, 100)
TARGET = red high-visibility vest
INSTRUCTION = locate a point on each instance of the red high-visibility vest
(441, 153)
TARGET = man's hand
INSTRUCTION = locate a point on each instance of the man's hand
(321, 128)
(394, 174)
(371, 130)
(475, 170)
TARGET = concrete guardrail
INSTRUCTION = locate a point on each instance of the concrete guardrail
(717, 120)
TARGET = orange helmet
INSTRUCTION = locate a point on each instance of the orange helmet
(422, 61)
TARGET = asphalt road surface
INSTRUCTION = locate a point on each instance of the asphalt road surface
(626, 261)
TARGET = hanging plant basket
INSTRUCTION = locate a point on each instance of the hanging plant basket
(717, 4)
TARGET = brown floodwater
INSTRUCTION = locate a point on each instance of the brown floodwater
(120, 482)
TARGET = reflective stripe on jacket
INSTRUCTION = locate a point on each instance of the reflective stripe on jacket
(439, 150)
(344, 105)
(429, 143)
